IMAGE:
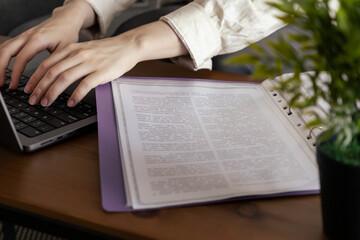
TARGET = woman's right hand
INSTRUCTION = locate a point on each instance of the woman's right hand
(53, 34)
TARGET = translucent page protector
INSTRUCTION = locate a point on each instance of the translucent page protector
(198, 141)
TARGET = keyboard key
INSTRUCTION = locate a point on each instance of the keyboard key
(67, 117)
(77, 113)
(56, 122)
(53, 111)
(87, 108)
(15, 121)
(20, 105)
(36, 113)
(28, 119)
(20, 125)
(47, 109)
(5, 90)
(24, 79)
(13, 110)
(44, 117)
(13, 93)
(18, 94)
(28, 109)
(20, 115)
(6, 97)
(46, 128)
(12, 101)
(8, 72)
(30, 132)
(63, 97)
(36, 123)
(61, 105)
(21, 88)
(24, 98)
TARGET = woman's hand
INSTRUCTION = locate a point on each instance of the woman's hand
(97, 62)
(100, 61)
(53, 34)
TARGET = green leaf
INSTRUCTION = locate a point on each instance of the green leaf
(243, 59)
(326, 42)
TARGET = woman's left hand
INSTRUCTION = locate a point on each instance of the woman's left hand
(97, 62)
(100, 61)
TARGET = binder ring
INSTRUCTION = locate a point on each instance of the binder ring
(311, 130)
(289, 112)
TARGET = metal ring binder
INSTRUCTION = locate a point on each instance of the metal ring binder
(289, 112)
(311, 130)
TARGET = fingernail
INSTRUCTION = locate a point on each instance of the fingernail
(28, 88)
(71, 103)
(33, 99)
(44, 102)
(12, 85)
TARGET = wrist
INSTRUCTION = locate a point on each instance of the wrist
(79, 13)
(155, 41)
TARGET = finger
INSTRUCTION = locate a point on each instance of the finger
(7, 50)
(59, 47)
(60, 72)
(6, 42)
(23, 57)
(85, 86)
(64, 80)
(47, 73)
(44, 69)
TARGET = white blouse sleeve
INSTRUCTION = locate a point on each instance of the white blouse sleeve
(106, 10)
(212, 27)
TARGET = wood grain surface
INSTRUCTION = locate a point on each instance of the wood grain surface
(62, 183)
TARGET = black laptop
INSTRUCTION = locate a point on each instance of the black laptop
(26, 128)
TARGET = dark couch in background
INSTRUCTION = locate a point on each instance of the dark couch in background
(18, 15)
(16, 12)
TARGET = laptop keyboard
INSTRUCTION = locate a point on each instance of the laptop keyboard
(33, 120)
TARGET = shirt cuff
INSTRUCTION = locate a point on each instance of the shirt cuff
(199, 35)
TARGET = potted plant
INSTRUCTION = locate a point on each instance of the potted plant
(330, 43)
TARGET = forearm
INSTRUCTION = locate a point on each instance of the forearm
(155, 41)
(78, 13)
(101, 61)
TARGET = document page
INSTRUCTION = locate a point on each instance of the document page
(194, 141)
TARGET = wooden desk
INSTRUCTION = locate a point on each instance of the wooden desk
(62, 183)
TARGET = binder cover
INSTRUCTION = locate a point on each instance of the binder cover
(111, 178)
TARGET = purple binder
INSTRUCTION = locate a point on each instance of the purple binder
(111, 178)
